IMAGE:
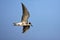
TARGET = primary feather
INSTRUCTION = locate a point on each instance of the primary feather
(25, 14)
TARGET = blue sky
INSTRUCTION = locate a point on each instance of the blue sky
(45, 17)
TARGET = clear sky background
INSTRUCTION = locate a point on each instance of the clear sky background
(45, 17)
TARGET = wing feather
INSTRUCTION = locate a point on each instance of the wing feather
(25, 14)
(25, 28)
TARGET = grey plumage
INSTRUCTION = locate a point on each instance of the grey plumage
(24, 20)
(25, 14)
(25, 17)
(25, 28)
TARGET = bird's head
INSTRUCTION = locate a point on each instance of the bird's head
(30, 23)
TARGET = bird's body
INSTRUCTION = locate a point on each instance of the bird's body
(24, 21)
(21, 24)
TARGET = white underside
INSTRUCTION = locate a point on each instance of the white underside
(21, 24)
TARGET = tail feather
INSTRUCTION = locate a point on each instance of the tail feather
(14, 24)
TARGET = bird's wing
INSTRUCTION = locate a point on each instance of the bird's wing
(25, 28)
(25, 14)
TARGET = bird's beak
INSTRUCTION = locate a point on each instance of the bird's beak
(31, 25)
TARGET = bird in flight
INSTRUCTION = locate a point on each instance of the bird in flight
(24, 20)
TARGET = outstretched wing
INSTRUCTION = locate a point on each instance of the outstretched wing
(25, 14)
(25, 28)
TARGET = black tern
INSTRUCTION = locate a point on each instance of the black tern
(24, 21)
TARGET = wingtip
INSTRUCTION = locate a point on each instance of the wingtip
(21, 3)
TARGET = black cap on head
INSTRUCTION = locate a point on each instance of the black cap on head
(29, 22)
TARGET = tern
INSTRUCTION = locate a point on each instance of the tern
(24, 20)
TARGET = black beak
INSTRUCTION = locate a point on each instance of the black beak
(31, 25)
